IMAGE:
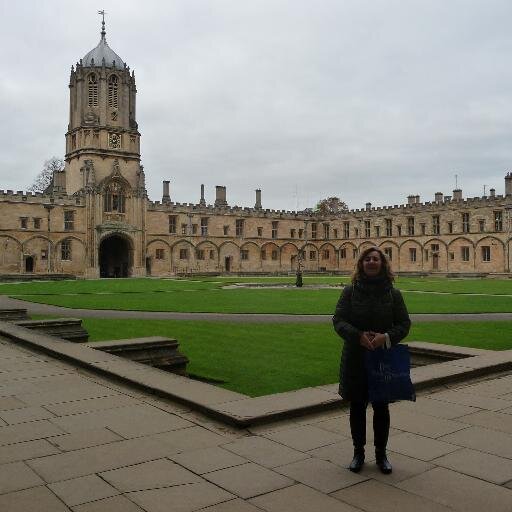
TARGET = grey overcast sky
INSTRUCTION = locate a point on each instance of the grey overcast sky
(368, 100)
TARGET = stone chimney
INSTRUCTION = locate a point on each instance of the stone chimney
(417, 199)
(166, 198)
(492, 192)
(508, 184)
(59, 182)
(202, 202)
(368, 206)
(411, 199)
(438, 197)
(220, 196)
(257, 205)
(457, 194)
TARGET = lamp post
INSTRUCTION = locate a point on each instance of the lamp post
(49, 208)
(300, 263)
(508, 220)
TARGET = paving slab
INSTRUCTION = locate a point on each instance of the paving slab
(84, 462)
(114, 504)
(481, 465)
(248, 480)
(32, 373)
(263, 451)
(91, 404)
(129, 421)
(79, 392)
(274, 426)
(82, 490)
(300, 498)
(420, 447)
(497, 387)
(28, 500)
(149, 475)
(490, 419)
(185, 439)
(304, 438)
(16, 476)
(341, 426)
(320, 475)
(25, 414)
(26, 450)
(464, 397)
(373, 496)
(28, 432)
(424, 424)
(482, 439)
(51, 383)
(436, 408)
(10, 402)
(236, 505)
(84, 439)
(403, 468)
(184, 498)
(460, 492)
(208, 459)
(341, 453)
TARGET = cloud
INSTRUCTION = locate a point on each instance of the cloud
(367, 100)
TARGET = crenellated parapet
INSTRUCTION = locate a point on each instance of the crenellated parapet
(39, 197)
(238, 211)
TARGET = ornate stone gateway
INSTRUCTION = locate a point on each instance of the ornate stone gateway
(115, 257)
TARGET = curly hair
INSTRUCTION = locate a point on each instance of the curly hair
(384, 271)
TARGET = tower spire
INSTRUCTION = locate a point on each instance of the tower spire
(103, 33)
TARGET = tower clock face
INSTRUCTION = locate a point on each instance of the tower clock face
(114, 141)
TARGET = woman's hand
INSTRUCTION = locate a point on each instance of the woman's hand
(366, 340)
(379, 339)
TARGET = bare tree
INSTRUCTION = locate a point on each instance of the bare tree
(331, 206)
(45, 178)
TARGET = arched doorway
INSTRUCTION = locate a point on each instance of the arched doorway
(29, 264)
(115, 257)
(435, 261)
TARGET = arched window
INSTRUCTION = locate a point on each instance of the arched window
(112, 91)
(92, 84)
(114, 198)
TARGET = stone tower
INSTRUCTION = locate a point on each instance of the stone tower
(103, 161)
(102, 118)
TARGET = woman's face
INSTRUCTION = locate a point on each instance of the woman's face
(372, 264)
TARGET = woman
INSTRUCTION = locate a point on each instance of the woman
(370, 314)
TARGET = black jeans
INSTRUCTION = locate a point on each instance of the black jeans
(380, 424)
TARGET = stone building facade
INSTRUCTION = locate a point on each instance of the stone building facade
(98, 221)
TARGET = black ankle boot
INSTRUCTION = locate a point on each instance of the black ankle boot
(382, 462)
(358, 460)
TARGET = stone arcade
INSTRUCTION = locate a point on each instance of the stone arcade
(98, 221)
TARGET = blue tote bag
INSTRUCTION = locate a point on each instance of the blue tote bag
(389, 374)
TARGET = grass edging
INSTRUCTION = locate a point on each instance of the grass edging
(237, 412)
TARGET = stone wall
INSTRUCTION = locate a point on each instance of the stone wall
(454, 236)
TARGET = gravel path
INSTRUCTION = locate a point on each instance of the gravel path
(45, 309)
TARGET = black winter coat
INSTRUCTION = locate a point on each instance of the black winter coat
(362, 309)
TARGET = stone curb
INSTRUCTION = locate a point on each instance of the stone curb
(240, 410)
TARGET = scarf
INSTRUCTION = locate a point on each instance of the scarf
(378, 285)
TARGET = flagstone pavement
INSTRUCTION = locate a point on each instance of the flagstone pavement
(71, 440)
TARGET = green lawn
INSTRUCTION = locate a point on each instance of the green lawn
(259, 359)
(422, 295)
